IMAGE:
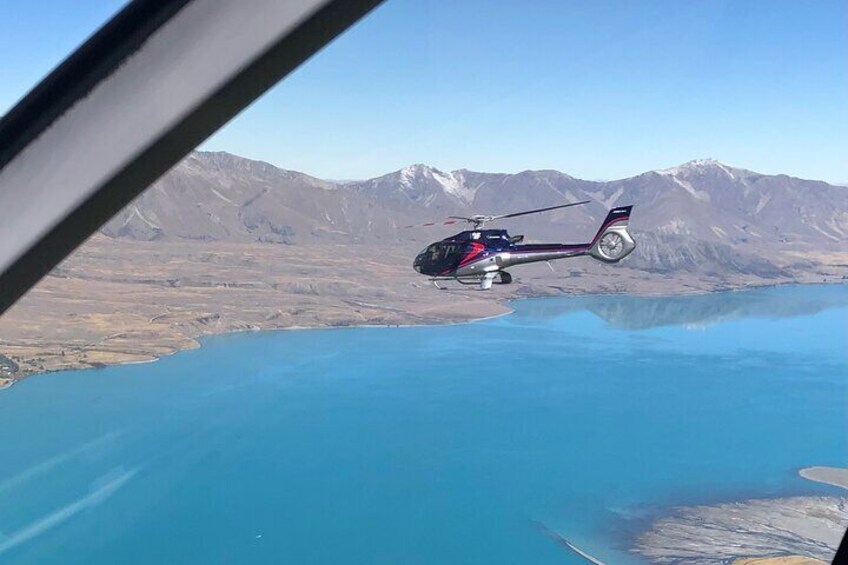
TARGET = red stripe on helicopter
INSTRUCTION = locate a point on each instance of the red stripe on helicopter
(476, 250)
(470, 256)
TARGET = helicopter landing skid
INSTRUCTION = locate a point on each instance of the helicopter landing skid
(479, 281)
(435, 281)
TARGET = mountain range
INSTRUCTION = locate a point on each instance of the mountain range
(702, 216)
(222, 243)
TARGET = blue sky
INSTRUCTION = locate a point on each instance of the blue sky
(599, 90)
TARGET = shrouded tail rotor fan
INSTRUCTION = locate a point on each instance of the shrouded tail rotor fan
(611, 246)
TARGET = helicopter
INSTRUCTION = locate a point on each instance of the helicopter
(480, 256)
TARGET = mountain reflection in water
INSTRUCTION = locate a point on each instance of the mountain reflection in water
(642, 312)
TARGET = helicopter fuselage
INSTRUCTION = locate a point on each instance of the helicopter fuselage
(474, 253)
(483, 254)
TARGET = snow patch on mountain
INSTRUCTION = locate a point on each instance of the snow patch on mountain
(763, 202)
(674, 226)
(824, 233)
(450, 183)
(702, 195)
(221, 196)
(719, 232)
(607, 201)
(136, 213)
(698, 166)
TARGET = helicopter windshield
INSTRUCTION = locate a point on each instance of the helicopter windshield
(439, 257)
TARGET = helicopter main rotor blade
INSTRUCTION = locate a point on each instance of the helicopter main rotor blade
(450, 221)
(536, 211)
(481, 219)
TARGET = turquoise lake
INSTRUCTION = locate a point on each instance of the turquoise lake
(445, 444)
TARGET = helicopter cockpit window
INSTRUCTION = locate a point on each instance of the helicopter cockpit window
(444, 251)
(442, 256)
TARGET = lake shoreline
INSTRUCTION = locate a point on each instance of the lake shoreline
(832, 476)
(462, 317)
(745, 523)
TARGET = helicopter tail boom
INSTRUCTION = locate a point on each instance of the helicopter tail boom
(611, 244)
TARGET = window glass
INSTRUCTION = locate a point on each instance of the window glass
(675, 391)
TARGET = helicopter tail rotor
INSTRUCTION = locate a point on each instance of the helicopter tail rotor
(613, 241)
